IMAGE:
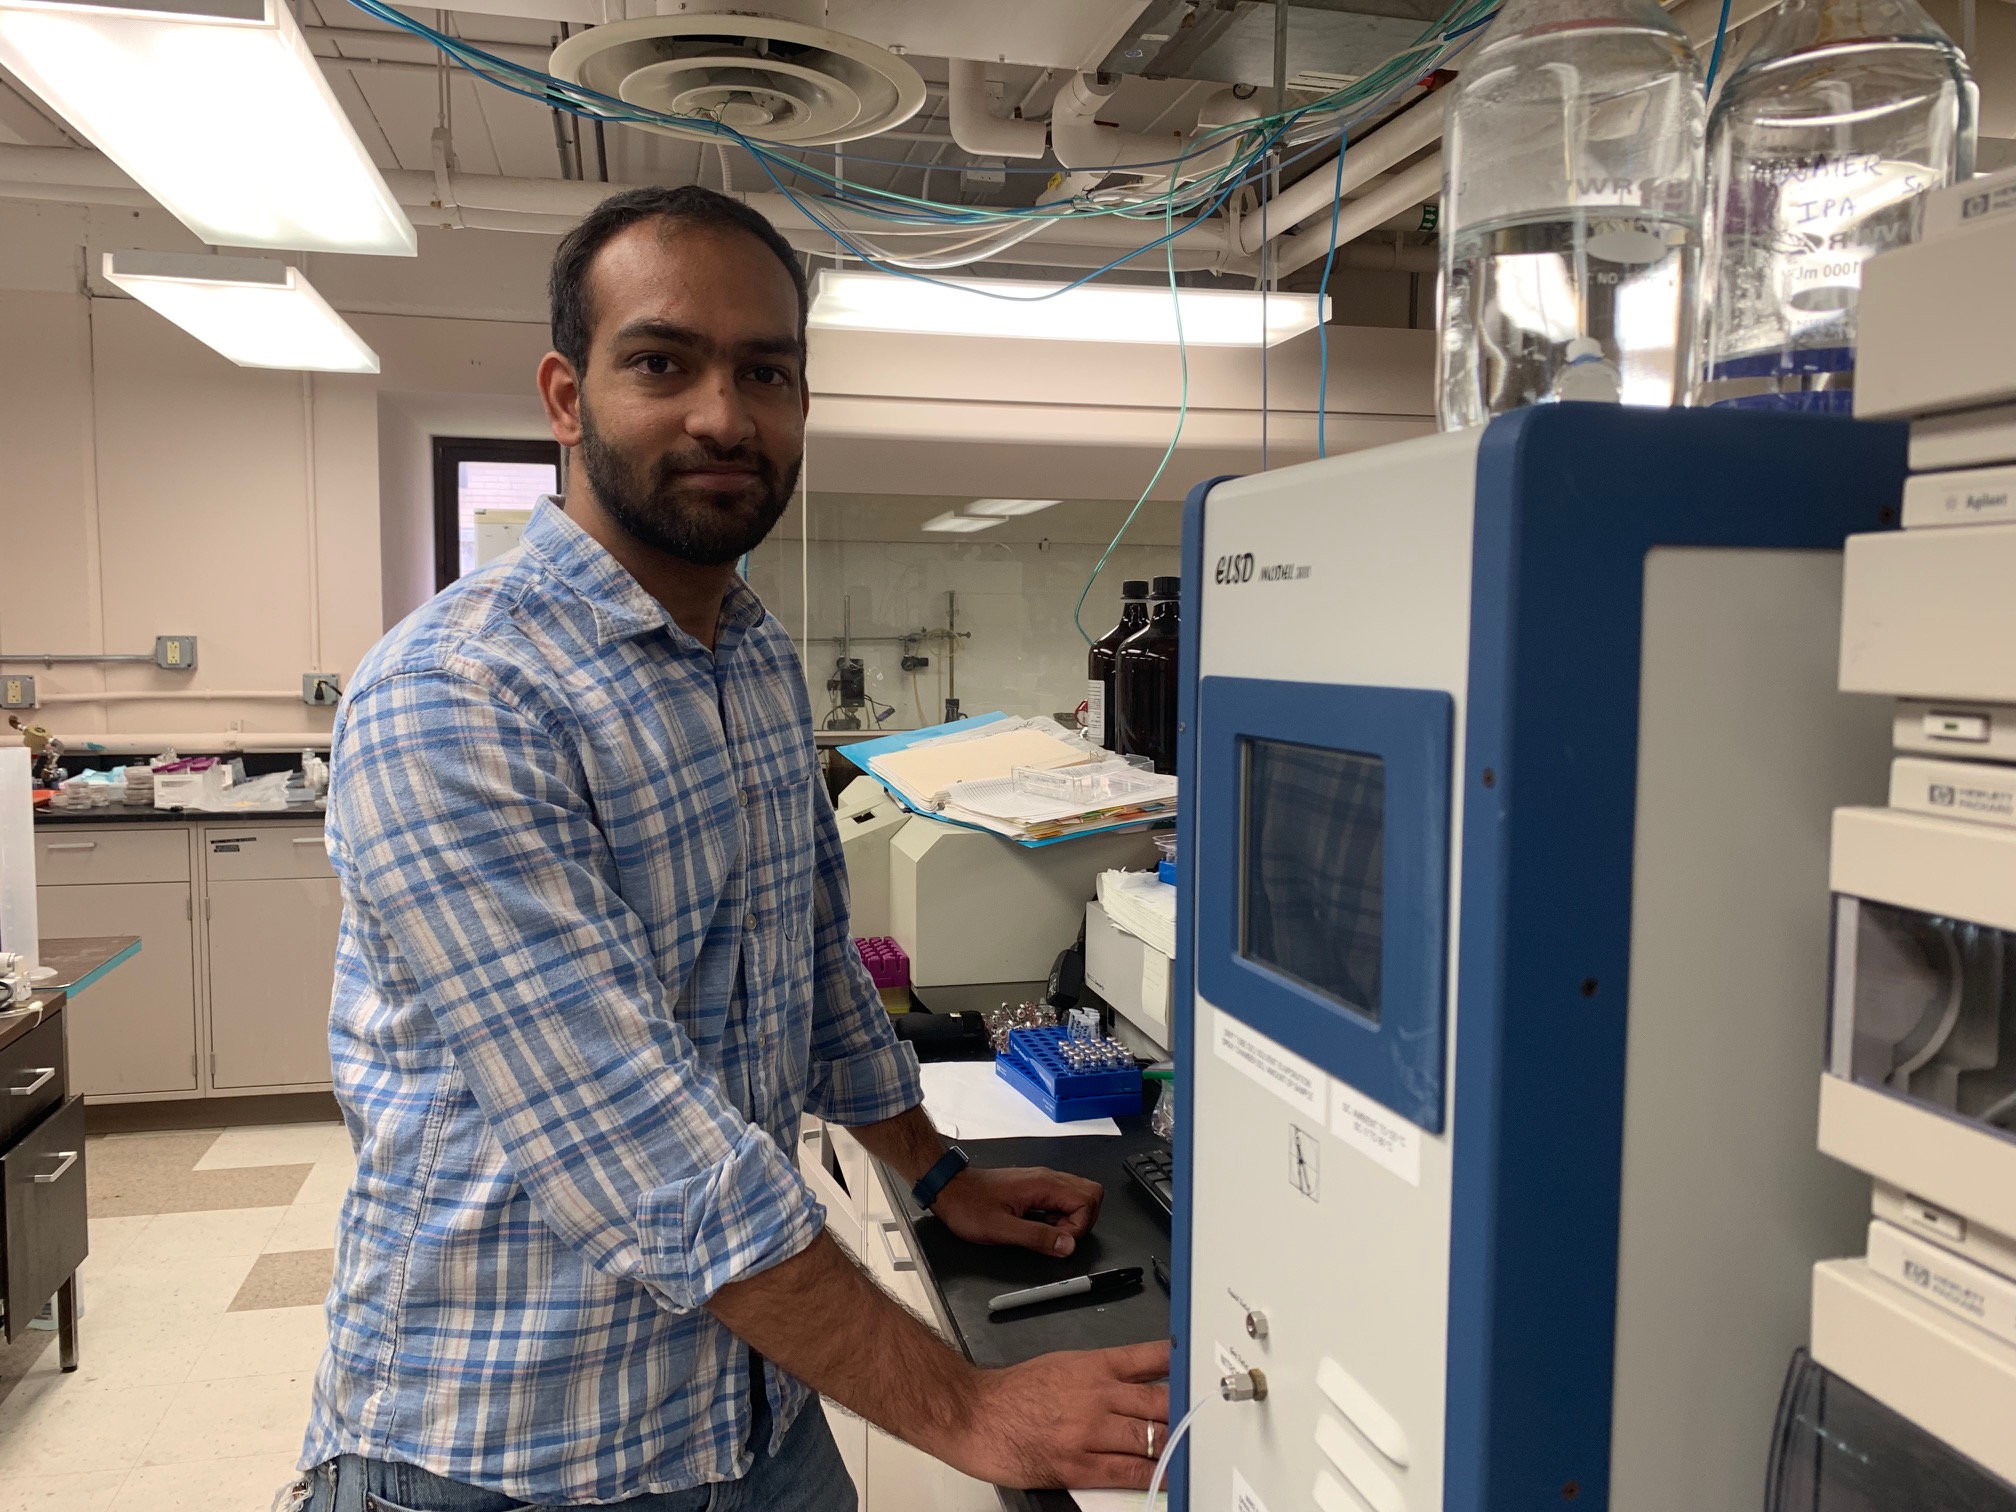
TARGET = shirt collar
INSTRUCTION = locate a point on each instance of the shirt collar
(618, 602)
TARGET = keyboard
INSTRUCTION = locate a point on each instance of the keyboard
(1152, 1172)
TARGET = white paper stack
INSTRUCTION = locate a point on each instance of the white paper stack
(1143, 905)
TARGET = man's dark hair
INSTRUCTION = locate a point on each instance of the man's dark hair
(689, 204)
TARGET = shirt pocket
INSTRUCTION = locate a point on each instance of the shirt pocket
(792, 835)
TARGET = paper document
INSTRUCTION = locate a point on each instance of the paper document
(1143, 905)
(966, 1100)
(926, 770)
(1118, 1501)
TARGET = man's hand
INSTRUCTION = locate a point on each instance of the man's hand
(1076, 1419)
(988, 1207)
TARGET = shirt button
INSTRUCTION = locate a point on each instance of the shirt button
(744, 796)
(749, 920)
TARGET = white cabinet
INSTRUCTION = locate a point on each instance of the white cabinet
(132, 1033)
(273, 907)
(889, 1475)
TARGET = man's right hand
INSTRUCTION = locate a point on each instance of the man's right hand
(1076, 1419)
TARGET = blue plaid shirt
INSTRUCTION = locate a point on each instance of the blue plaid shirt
(594, 964)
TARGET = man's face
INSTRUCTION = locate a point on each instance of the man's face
(692, 409)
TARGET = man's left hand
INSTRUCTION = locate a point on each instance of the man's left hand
(988, 1207)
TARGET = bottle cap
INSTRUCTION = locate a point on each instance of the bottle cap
(1134, 588)
(1168, 587)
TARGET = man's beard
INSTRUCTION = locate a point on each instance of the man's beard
(654, 504)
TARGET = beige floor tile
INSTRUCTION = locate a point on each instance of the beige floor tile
(131, 1191)
(89, 1491)
(56, 1425)
(185, 1289)
(172, 1239)
(245, 1484)
(327, 1182)
(132, 1346)
(299, 1278)
(277, 1144)
(269, 1341)
(213, 1420)
(306, 1226)
(110, 1240)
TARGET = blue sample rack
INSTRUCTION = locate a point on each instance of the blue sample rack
(1033, 1066)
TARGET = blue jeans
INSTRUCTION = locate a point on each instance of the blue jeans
(804, 1475)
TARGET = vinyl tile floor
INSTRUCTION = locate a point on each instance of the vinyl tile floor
(202, 1327)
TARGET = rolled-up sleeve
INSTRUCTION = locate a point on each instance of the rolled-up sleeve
(469, 837)
(861, 1073)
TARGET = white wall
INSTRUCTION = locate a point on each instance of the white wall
(1010, 591)
(153, 488)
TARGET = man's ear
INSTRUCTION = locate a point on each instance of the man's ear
(560, 392)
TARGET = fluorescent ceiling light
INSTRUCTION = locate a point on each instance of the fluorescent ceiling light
(954, 523)
(1007, 509)
(1089, 312)
(217, 109)
(257, 312)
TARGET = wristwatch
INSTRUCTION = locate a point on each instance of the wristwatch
(934, 1181)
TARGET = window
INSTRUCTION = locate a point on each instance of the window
(472, 474)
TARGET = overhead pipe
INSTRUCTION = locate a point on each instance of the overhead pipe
(1399, 194)
(1083, 144)
(1414, 128)
(551, 207)
(976, 128)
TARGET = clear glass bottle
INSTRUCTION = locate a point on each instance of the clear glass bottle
(1146, 677)
(1098, 722)
(1571, 207)
(1839, 114)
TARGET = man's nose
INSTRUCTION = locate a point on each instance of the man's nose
(719, 413)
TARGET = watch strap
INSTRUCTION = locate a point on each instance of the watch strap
(933, 1181)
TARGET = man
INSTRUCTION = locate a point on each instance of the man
(595, 962)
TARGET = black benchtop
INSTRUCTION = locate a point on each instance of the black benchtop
(120, 813)
(962, 1276)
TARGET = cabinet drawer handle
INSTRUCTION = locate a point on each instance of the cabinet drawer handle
(73, 845)
(308, 840)
(52, 1177)
(903, 1262)
(36, 1085)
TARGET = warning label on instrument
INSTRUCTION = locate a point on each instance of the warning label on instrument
(1372, 1130)
(1243, 1499)
(1299, 1083)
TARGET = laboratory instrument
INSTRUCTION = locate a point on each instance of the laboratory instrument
(868, 818)
(1509, 781)
(1099, 661)
(1835, 119)
(1098, 1284)
(1571, 200)
(1145, 679)
(1916, 1332)
(972, 908)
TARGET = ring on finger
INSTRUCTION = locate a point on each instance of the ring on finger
(1151, 1439)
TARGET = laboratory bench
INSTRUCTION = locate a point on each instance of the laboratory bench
(238, 914)
(44, 1227)
(124, 813)
(948, 1282)
(960, 1277)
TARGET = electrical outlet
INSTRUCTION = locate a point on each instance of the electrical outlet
(175, 653)
(17, 693)
(321, 688)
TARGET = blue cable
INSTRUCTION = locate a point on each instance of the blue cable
(1322, 322)
(1715, 57)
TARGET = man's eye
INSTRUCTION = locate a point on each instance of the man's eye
(772, 376)
(655, 363)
